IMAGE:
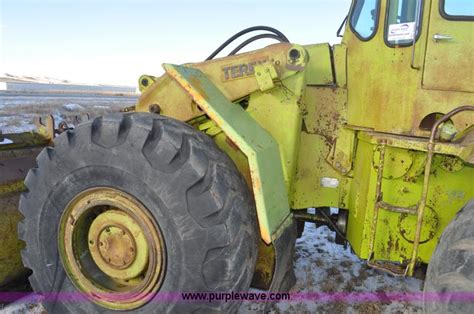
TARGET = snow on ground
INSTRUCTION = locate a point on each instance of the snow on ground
(324, 266)
(73, 107)
(320, 264)
(17, 112)
(8, 77)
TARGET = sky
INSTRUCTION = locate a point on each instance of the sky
(116, 41)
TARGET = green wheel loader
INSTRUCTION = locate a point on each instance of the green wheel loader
(204, 185)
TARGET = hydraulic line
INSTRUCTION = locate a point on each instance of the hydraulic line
(252, 39)
(277, 33)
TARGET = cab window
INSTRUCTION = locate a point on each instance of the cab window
(364, 18)
(400, 22)
(457, 9)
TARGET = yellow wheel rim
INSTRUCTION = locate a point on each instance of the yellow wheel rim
(111, 248)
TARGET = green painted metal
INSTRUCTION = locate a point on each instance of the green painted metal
(289, 125)
(319, 70)
(328, 112)
(255, 142)
(387, 95)
(457, 73)
(11, 267)
(450, 189)
(16, 159)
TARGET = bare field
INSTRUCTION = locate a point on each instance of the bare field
(17, 112)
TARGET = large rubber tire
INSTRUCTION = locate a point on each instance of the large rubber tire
(451, 269)
(194, 191)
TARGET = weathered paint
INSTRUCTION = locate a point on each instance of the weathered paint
(449, 191)
(11, 266)
(448, 63)
(330, 114)
(257, 144)
(175, 102)
(323, 116)
(14, 165)
(319, 70)
(385, 94)
(133, 265)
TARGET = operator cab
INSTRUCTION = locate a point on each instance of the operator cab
(421, 47)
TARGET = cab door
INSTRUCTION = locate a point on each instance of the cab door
(449, 59)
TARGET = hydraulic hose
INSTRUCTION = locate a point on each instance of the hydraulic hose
(276, 33)
(252, 39)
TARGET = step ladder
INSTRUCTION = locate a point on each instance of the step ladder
(417, 210)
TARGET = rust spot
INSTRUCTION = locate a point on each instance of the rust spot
(264, 267)
(196, 84)
(256, 183)
(232, 144)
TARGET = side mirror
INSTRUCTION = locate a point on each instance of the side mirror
(339, 30)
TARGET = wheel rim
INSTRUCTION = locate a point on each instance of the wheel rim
(111, 248)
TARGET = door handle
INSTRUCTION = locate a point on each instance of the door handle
(440, 37)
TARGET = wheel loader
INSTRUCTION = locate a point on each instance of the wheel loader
(205, 184)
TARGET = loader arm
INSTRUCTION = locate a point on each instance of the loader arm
(214, 89)
(257, 144)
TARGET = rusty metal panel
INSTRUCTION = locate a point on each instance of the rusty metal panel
(11, 266)
(449, 54)
(14, 165)
(386, 94)
(256, 143)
